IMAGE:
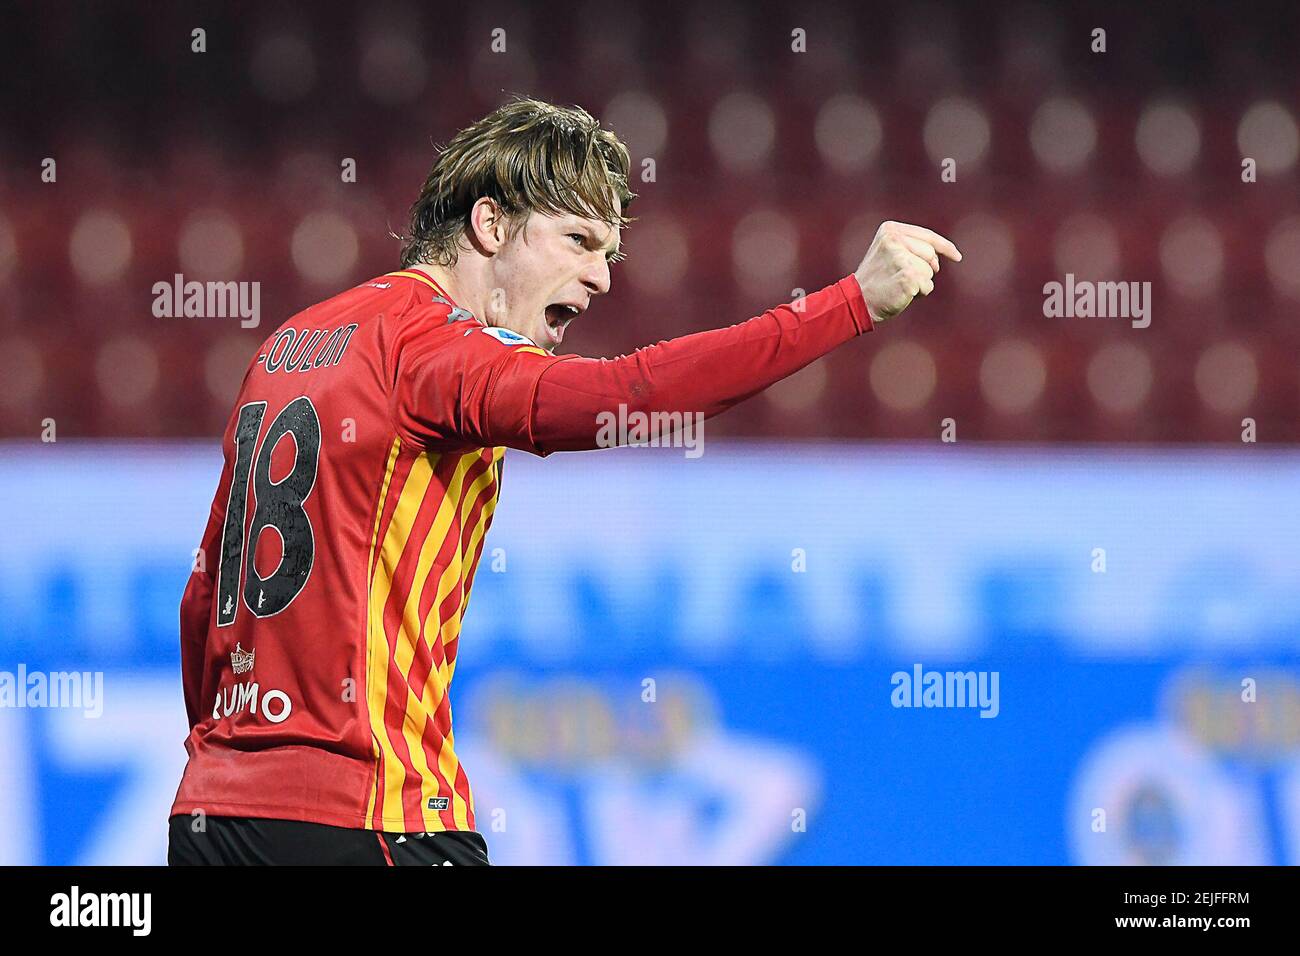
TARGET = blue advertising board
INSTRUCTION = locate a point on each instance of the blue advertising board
(769, 653)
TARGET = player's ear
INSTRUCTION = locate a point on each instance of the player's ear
(489, 225)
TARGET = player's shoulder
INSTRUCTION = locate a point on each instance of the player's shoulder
(461, 332)
(395, 293)
(432, 318)
(392, 294)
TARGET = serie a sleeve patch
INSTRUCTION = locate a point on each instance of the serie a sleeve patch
(508, 337)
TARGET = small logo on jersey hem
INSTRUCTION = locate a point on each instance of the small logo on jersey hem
(241, 661)
(508, 337)
(439, 803)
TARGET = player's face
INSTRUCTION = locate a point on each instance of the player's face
(548, 273)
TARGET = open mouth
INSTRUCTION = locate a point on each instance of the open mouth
(558, 317)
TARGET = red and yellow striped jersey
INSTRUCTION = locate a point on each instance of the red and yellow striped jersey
(320, 625)
(363, 463)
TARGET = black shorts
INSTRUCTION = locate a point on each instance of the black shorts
(247, 841)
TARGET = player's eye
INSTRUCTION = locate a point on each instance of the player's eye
(579, 238)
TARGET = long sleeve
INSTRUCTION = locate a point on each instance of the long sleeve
(707, 372)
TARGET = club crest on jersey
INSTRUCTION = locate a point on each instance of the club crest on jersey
(508, 337)
(241, 661)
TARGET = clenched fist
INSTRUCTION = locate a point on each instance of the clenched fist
(900, 265)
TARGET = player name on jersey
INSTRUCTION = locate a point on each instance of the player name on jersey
(303, 350)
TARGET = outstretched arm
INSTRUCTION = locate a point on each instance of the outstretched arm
(710, 371)
(707, 372)
(455, 388)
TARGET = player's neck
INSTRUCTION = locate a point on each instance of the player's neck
(454, 285)
(467, 285)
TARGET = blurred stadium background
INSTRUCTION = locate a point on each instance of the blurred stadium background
(1121, 690)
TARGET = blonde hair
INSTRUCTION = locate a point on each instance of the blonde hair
(527, 156)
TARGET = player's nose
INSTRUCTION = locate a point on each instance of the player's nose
(595, 277)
